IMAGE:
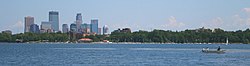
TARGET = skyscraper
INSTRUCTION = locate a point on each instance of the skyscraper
(105, 29)
(65, 28)
(28, 21)
(99, 31)
(34, 28)
(78, 21)
(46, 27)
(85, 28)
(94, 26)
(73, 28)
(54, 20)
(79, 16)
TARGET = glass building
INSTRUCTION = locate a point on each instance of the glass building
(73, 28)
(94, 26)
(78, 21)
(99, 31)
(54, 20)
(79, 16)
(46, 27)
(105, 30)
(28, 22)
(65, 28)
(85, 28)
(34, 28)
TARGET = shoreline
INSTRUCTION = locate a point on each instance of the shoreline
(108, 43)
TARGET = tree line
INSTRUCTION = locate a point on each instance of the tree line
(200, 35)
(36, 37)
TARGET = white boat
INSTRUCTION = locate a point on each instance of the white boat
(214, 51)
(227, 41)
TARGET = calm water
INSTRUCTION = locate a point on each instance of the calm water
(122, 55)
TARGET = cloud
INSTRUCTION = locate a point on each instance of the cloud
(246, 10)
(172, 23)
(214, 23)
(238, 20)
(16, 27)
(217, 21)
(18, 24)
(248, 21)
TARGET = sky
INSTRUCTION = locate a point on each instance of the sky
(146, 15)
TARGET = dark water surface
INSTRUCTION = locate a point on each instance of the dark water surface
(122, 55)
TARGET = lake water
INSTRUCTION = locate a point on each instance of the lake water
(122, 55)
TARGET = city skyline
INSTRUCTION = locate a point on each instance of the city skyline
(135, 14)
(52, 25)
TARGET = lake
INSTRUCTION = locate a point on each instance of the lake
(13, 54)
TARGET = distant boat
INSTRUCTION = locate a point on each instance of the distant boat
(227, 41)
(214, 51)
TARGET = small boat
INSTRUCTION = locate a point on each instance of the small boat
(227, 41)
(214, 51)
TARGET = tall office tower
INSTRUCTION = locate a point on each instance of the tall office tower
(34, 28)
(73, 28)
(94, 26)
(88, 28)
(46, 27)
(28, 21)
(105, 29)
(85, 28)
(54, 20)
(65, 28)
(78, 21)
(99, 31)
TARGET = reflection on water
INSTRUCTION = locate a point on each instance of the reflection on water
(123, 54)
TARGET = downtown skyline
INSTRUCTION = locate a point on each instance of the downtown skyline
(52, 25)
(134, 14)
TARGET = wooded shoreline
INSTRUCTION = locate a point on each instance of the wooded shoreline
(195, 36)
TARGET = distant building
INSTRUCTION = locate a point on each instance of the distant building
(7, 31)
(83, 40)
(85, 28)
(34, 28)
(125, 30)
(94, 26)
(78, 21)
(73, 28)
(105, 29)
(99, 31)
(46, 27)
(28, 21)
(203, 29)
(54, 20)
(65, 28)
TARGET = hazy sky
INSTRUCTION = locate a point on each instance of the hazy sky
(136, 14)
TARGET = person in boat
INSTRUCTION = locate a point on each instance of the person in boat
(205, 49)
(218, 48)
